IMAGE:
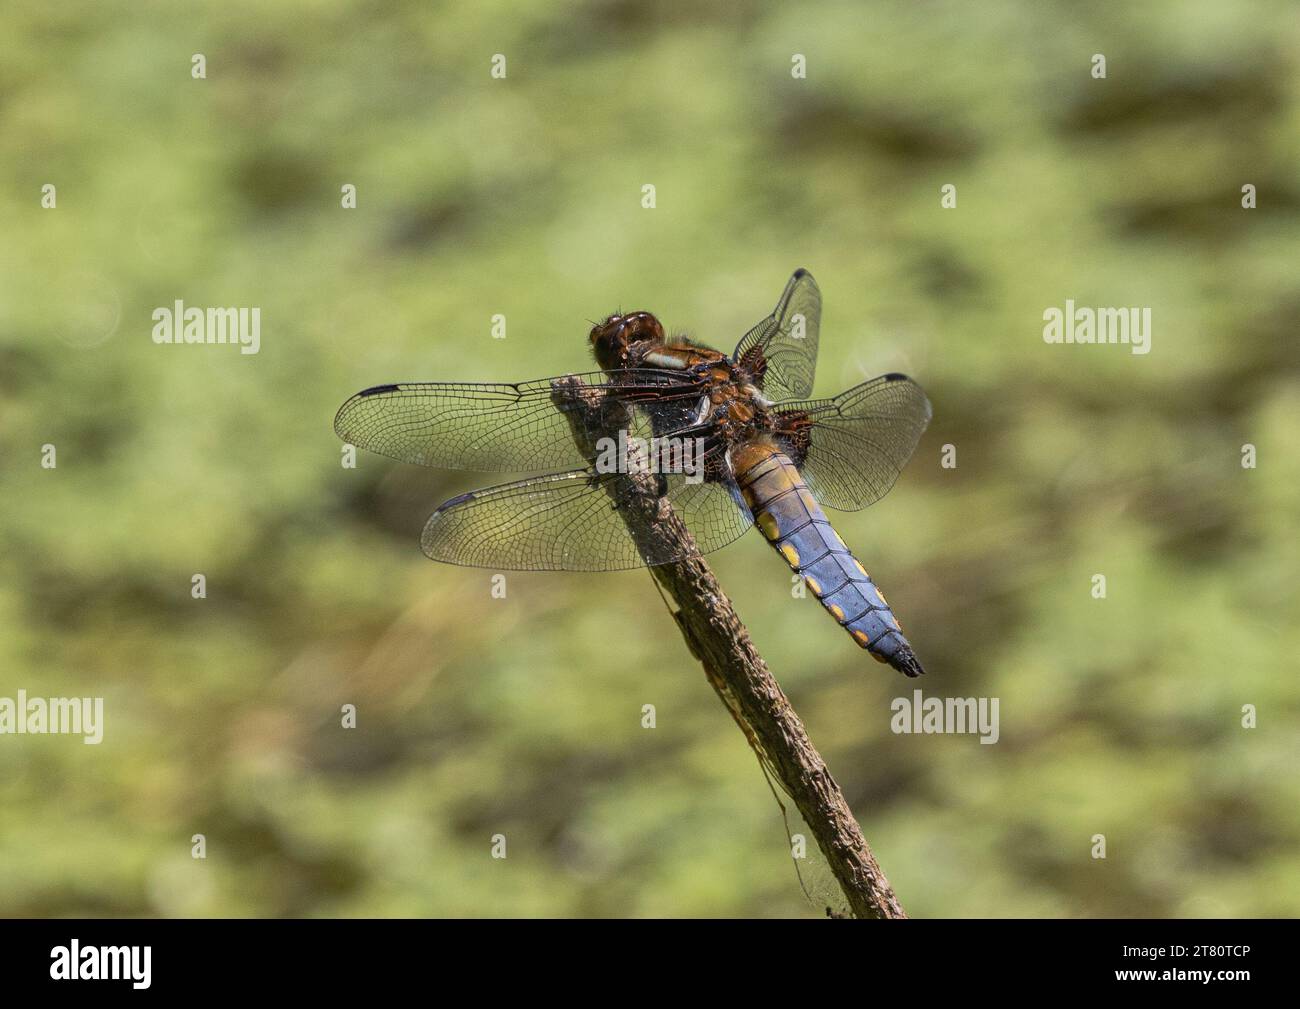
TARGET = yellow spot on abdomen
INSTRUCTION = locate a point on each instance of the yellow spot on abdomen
(861, 637)
(814, 585)
(790, 554)
(836, 612)
(767, 525)
(861, 568)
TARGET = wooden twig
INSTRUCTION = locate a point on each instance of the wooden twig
(737, 672)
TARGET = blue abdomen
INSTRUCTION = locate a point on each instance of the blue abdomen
(798, 529)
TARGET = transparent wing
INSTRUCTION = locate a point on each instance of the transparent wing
(783, 347)
(500, 427)
(851, 449)
(569, 522)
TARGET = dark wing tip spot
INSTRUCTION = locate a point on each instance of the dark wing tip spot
(341, 418)
(896, 376)
(459, 499)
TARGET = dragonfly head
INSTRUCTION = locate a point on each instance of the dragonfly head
(612, 339)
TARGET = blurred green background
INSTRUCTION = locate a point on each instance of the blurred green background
(522, 197)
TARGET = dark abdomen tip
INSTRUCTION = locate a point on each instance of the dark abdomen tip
(905, 661)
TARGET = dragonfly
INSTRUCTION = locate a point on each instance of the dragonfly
(734, 442)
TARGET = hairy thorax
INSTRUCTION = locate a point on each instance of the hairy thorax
(730, 399)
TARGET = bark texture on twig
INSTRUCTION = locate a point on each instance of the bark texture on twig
(716, 636)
